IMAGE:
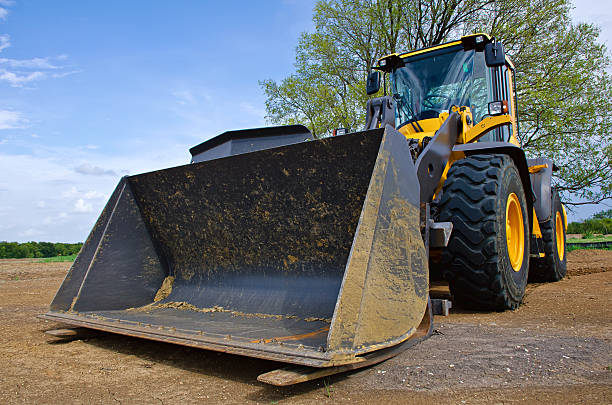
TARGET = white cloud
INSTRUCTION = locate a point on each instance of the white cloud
(184, 97)
(19, 72)
(5, 41)
(12, 120)
(90, 170)
(73, 192)
(248, 108)
(56, 219)
(19, 79)
(47, 174)
(64, 74)
(94, 194)
(598, 12)
(82, 206)
(31, 232)
(33, 63)
(4, 11)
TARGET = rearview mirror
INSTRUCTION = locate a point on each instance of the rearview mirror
(494, 54)
(373, 83)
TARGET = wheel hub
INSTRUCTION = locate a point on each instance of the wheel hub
(515, 233)
(559, 235)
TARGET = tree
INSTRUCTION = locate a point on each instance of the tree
(37, 249)
(603, 215)
(563, 82)
(600, 222)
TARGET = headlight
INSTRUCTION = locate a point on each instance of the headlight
(498, 107)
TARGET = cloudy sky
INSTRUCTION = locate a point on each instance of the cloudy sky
(92, 91)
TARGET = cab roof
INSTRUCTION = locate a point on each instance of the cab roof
(473, 41)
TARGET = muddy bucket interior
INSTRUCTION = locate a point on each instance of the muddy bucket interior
(308, 253)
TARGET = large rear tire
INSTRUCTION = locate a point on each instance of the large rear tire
(553, 266)
(487, 259)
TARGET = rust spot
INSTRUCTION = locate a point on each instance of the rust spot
(292, 337)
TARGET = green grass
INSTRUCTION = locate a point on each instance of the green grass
(591, 239)
(579, 243)
(328, 388)
(576, 246)
(69, 258)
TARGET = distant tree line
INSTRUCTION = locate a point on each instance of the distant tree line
(598, 223)
(15, 250)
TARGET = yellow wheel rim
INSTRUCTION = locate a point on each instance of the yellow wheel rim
(559, 234)
(515, 232)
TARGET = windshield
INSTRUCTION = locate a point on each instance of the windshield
(433, 82)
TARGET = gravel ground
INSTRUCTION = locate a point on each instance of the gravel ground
(556, 348)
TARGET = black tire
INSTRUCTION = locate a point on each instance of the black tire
(553, 266)
(476, 261)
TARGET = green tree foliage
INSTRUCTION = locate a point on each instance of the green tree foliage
(563, 81)
(15, 250)
(591, 226)
(603, 215)
(598, 223)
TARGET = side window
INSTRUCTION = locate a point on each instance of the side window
(506, 130)
(479, 97)
(498, 89)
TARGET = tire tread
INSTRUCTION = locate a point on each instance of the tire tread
(470, 261)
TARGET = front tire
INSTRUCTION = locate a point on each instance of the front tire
(553, 266)
(487, 259)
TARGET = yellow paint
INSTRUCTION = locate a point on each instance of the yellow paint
(564, 217)
(436, 47)
(430, 49)
(537, 168)
(485, 126)
(560, 237)
(467, 121)
(429, 126)
(442, 46)
(454, 156)
(515, 233)
(537, 232)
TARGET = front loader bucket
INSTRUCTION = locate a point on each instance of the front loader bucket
(308, 253)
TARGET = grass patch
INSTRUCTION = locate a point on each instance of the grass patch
(328, 388)
(591, 239)
(69, 258)
(576, 246)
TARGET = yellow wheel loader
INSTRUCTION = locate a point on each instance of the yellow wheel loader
(275, 245)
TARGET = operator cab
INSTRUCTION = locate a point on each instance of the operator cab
(470, 75)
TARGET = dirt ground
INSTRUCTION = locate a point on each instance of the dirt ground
(556, 348)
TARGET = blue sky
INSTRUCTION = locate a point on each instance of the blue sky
(91, 91)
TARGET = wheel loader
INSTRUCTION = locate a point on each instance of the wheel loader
(317, 252)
